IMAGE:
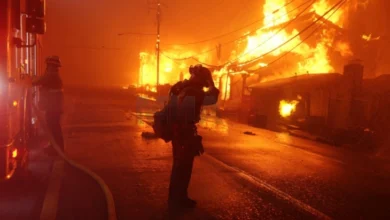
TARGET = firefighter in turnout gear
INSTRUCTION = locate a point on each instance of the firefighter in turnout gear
(186, 143)
(51, 99)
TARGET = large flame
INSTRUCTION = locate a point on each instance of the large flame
(313, 58)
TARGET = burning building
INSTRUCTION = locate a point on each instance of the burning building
(302, 99)
(305, 37)
(327, 104)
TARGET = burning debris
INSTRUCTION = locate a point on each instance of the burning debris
(370, 38)
(249, 133)
(148, 135)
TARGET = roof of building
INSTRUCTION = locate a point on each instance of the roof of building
(299, 80)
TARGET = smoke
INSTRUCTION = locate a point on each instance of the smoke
(370, 18)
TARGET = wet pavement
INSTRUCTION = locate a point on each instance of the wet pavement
(50, 190)
(22, 197)
(80, 197)
(262, 176)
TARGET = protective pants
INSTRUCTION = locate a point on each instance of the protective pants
(183, 160)
(53, 120)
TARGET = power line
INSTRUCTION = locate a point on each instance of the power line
(187, 58)
(93, 48)
(305, 29)
(282, 28)
(246, 26)
(175, 59)
(205, 64)
(335, 8)
(292, 49)
(275, 34)
(203, 14)
(135, 33)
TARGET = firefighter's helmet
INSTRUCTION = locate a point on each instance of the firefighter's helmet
(200, 71)
(53, 60)
(194, 70)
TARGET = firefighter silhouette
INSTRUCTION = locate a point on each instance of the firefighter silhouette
(186, 143)
(51, 98)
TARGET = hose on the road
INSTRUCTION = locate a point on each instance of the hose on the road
(107, 193)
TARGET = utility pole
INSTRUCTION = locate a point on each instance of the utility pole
(158, 44)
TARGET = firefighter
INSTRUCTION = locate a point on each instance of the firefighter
(51, 99)
(186, 143)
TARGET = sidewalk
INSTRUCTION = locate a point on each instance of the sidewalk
(23, 199)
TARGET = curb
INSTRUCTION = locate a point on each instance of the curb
(107, 193)
(316, 139)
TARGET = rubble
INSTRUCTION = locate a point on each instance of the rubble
(148, 135)
(249, 133)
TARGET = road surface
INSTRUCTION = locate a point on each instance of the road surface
(261, 176)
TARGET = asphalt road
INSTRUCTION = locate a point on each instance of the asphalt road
(262, 176)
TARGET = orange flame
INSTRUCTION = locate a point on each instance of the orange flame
(314, 60)
(287, 108)
(15, 153)
(320, 7)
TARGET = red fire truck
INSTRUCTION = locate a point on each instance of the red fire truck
(21, 29)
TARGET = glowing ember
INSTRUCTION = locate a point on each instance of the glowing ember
(15, 153)
(370, 38)
(287, 108)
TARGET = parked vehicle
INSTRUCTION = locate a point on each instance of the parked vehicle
(20, 50)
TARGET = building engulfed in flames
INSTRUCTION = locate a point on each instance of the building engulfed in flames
(321, 48)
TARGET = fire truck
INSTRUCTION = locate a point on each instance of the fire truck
(21, 28)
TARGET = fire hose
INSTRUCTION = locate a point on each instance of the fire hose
(107, 193)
